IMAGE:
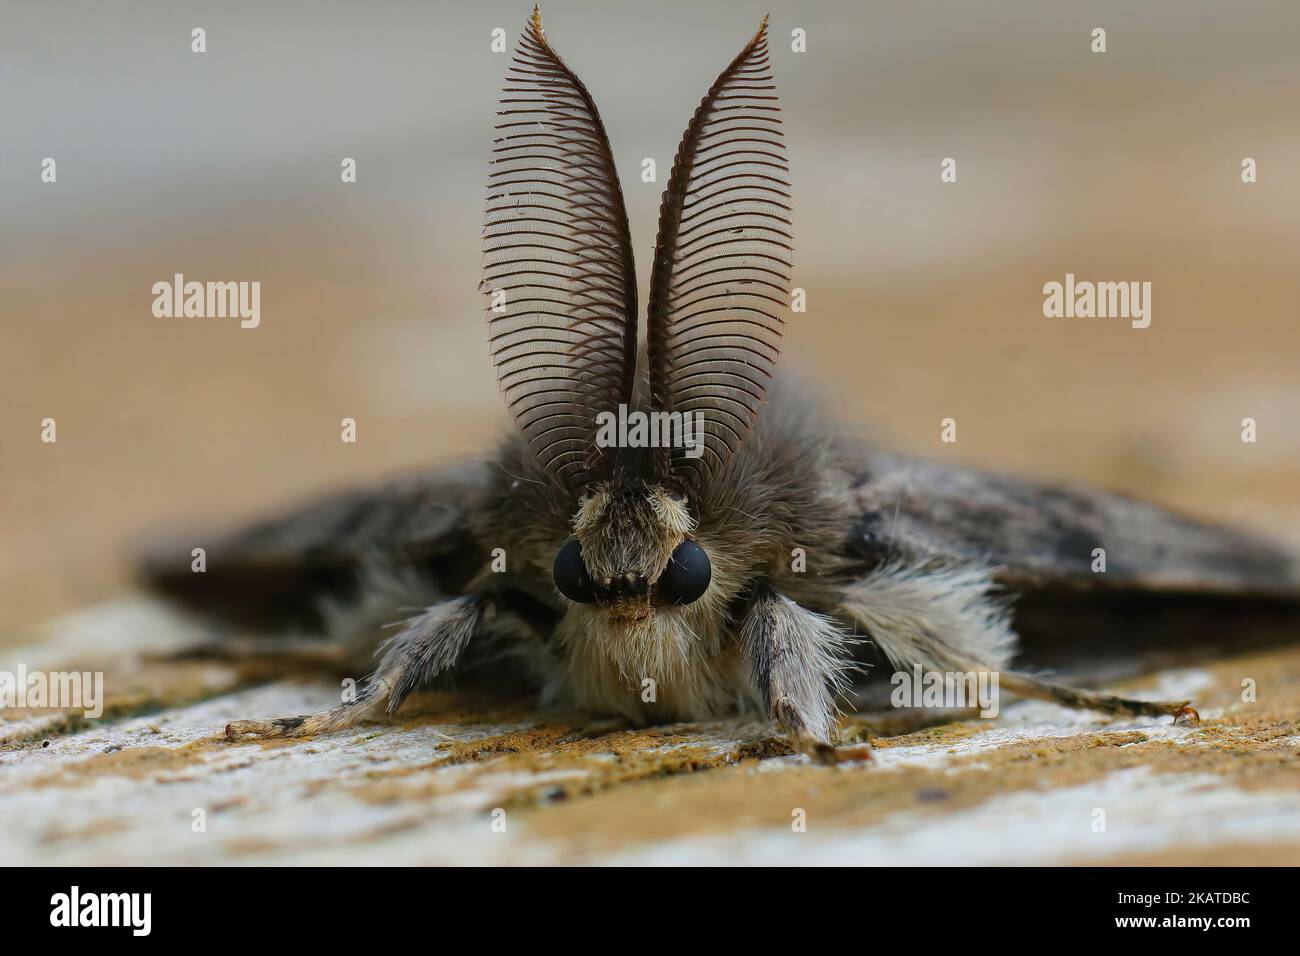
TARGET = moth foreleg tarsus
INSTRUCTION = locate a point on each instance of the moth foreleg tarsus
(427, 645)
(798, 660)
(341, 717)
(792, 724)
(1025, 686)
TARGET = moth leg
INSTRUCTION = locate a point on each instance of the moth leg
(428, 644)
(950, 618)
(798, 660)
(1023, 685)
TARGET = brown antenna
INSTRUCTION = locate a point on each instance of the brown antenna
(722, 264)
(557, 264)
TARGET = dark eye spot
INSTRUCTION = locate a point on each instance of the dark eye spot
(571, 575)
(687, 575)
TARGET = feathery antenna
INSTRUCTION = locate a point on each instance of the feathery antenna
(557, 263)
(722, 264)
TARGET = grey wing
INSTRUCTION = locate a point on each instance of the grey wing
(278, 572)
(1045, 537)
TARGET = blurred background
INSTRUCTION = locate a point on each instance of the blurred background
(925, 299)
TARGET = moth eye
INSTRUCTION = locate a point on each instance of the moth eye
(571, 575)
(687, 575)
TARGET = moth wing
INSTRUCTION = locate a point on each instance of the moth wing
(1046, 537)
(275, 573)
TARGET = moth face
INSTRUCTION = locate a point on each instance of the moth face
(631, 552)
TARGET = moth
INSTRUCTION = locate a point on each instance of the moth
(753, 570)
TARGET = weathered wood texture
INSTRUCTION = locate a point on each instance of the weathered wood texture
(1024, 788)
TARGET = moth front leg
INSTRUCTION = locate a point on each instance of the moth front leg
(798, 661)
(428, 644)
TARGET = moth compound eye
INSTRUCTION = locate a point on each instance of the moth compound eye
(686, 576)
(571, 575)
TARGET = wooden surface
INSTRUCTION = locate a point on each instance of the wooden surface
(1024, 788)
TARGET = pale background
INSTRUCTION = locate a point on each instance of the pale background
(925, 299)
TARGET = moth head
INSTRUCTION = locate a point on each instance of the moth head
(632, 551)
